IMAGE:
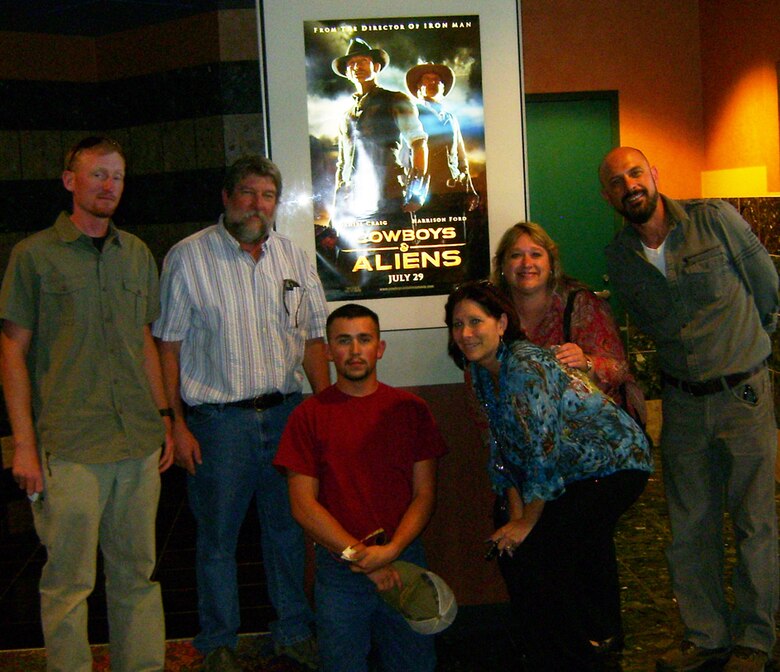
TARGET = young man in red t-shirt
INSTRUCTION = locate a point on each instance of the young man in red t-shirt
(361, 457)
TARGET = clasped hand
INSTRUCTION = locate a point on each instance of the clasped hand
(571, 355)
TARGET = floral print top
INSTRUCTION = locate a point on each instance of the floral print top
(592, 328)
(551, 426)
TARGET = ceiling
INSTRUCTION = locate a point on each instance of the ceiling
(93, 18)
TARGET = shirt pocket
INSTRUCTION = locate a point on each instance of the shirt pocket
(295, 307)
(706, 275)
(63, 297)
(135, 298)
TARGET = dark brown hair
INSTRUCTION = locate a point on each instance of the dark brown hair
(493, 301)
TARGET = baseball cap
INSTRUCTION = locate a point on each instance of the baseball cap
(424, 600)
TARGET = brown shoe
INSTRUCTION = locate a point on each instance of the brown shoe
(745, 659)
(221, 659)
(691, 658)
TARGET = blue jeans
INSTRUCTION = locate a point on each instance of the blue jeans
(719, 454)
(237, 447)
(351, 616)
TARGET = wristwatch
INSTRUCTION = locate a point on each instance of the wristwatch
(588, 364)
(167, 413)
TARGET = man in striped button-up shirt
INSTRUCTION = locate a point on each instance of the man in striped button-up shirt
(242, 311)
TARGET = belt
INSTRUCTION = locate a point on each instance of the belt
(261, 403)
(713, 385)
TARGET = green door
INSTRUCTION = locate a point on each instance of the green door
(568, 134)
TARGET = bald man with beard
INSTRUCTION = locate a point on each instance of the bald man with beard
(693, 276)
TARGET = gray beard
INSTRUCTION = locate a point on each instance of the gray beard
(249, 234)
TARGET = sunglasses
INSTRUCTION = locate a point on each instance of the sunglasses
(90, 142)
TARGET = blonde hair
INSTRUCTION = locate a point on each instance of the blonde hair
(537, 234)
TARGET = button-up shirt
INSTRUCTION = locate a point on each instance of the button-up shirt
(87, 310)
(712, 314)
(551, 426)
(242, 324)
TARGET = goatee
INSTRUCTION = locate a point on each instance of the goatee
(642, 214)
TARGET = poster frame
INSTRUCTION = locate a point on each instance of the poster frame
(284, 106)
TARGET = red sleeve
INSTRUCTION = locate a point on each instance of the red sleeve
(594, 329)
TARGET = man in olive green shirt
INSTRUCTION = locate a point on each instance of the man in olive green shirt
(82, 383)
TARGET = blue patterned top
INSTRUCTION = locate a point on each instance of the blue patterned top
(550, 425)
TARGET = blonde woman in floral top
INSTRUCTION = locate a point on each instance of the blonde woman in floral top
(568, 463)
(527, 268)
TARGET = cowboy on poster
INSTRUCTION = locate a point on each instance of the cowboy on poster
(396, 134)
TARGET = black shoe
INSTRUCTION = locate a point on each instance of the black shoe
(691, 658)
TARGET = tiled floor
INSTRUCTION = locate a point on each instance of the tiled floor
(480, 640)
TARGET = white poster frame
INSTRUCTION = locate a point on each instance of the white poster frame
(284, 107)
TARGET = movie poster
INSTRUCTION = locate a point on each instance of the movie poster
(396, 133)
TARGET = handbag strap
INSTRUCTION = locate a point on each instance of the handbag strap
(567, 311)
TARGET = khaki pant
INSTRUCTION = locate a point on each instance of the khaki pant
(718, 455)
(113, 505)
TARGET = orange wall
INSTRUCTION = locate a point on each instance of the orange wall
(697, 79)
(648, 52)
(740, 55)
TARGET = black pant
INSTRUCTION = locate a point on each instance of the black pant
(563, 579)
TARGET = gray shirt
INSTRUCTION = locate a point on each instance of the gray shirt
(712, 314)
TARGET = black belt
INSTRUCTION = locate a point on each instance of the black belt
(713, 385)
(261, 403)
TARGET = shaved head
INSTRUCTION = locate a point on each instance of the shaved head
(629, 184)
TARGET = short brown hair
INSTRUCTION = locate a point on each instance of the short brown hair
(252, 165)
(493, 301)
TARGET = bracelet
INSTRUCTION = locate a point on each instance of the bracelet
(167, 413)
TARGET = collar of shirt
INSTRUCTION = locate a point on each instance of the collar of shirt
(68, 232)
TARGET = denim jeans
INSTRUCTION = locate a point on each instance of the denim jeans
(237, 447)
(351, 616)
(719, 455)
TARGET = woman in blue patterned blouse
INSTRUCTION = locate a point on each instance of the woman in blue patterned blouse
(568, 463)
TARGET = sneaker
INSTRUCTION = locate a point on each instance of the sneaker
(303, 652)
(745, 659)
(221, 659)
(692, 658)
